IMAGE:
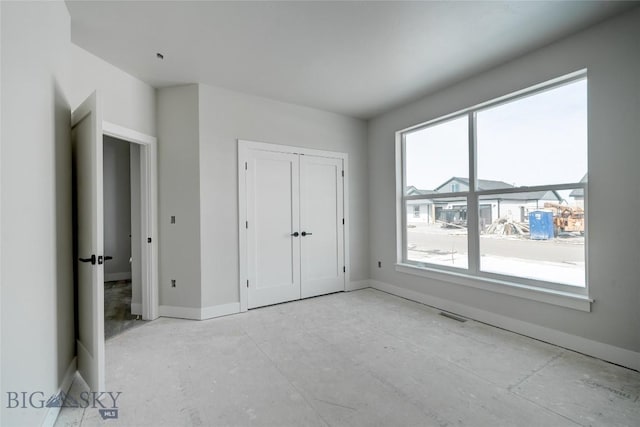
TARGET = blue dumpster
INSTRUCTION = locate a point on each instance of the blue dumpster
(541, 225)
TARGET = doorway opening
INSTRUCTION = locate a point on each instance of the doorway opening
(122, 243)
(130, 219)
(87, 133)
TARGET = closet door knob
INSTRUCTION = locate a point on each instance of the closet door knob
(304, 233)
(296, 234)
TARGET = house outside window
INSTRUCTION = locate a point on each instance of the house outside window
(506, 181)
(416, 211)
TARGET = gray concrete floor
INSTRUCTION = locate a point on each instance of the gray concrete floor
(363, 358)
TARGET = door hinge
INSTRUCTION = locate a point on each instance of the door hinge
(148, 239)
(342, 221)
(246, 224)
(247, 283)
(343, 174)
(246, 166)
(344, 269)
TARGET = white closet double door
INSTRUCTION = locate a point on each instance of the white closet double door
(294, 226)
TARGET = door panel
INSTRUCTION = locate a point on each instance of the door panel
(321, 213)
(87, 164)
(273, 254)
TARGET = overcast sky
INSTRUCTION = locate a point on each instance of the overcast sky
(537, 140)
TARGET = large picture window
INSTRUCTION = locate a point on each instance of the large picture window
(500, 189)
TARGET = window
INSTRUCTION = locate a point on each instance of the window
(416, 211)
(503, 185)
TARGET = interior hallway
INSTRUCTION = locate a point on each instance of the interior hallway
(362, 358)
(117, 308)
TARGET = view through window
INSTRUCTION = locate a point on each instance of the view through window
(523, 213)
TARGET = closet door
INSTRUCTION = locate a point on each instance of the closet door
(322, 230)
(273, 249)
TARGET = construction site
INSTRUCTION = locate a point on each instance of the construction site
(549, 244)
(554, 220)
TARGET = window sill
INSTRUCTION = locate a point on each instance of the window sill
(549, 296)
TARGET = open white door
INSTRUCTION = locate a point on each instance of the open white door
(86, 133)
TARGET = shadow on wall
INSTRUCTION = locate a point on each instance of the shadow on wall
(62, 190)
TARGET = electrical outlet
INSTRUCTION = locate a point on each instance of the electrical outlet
(379, 264)
(173, 283)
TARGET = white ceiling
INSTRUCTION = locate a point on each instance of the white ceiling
(353, 58)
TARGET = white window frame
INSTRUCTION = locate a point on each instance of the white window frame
(553, 293)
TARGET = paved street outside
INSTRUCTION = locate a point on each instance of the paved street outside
(556, 260)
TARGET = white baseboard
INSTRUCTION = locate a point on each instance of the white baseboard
(220, 310)
(610, 353)
(136, 308)
(354, 285)
(52, 413)
(114, 277)
(179, 312)
(197, 313)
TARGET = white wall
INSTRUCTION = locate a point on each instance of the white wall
(38, 342)
(179, 196)
(225, 117)
(198, 129)
(611, 52)
(117, 209)
(126, 101)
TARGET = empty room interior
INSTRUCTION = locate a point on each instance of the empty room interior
(301, 213)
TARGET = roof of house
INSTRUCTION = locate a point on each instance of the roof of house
(413, 191)
(579, 192)
(529, 195)
(487, 184)
(483, 184)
